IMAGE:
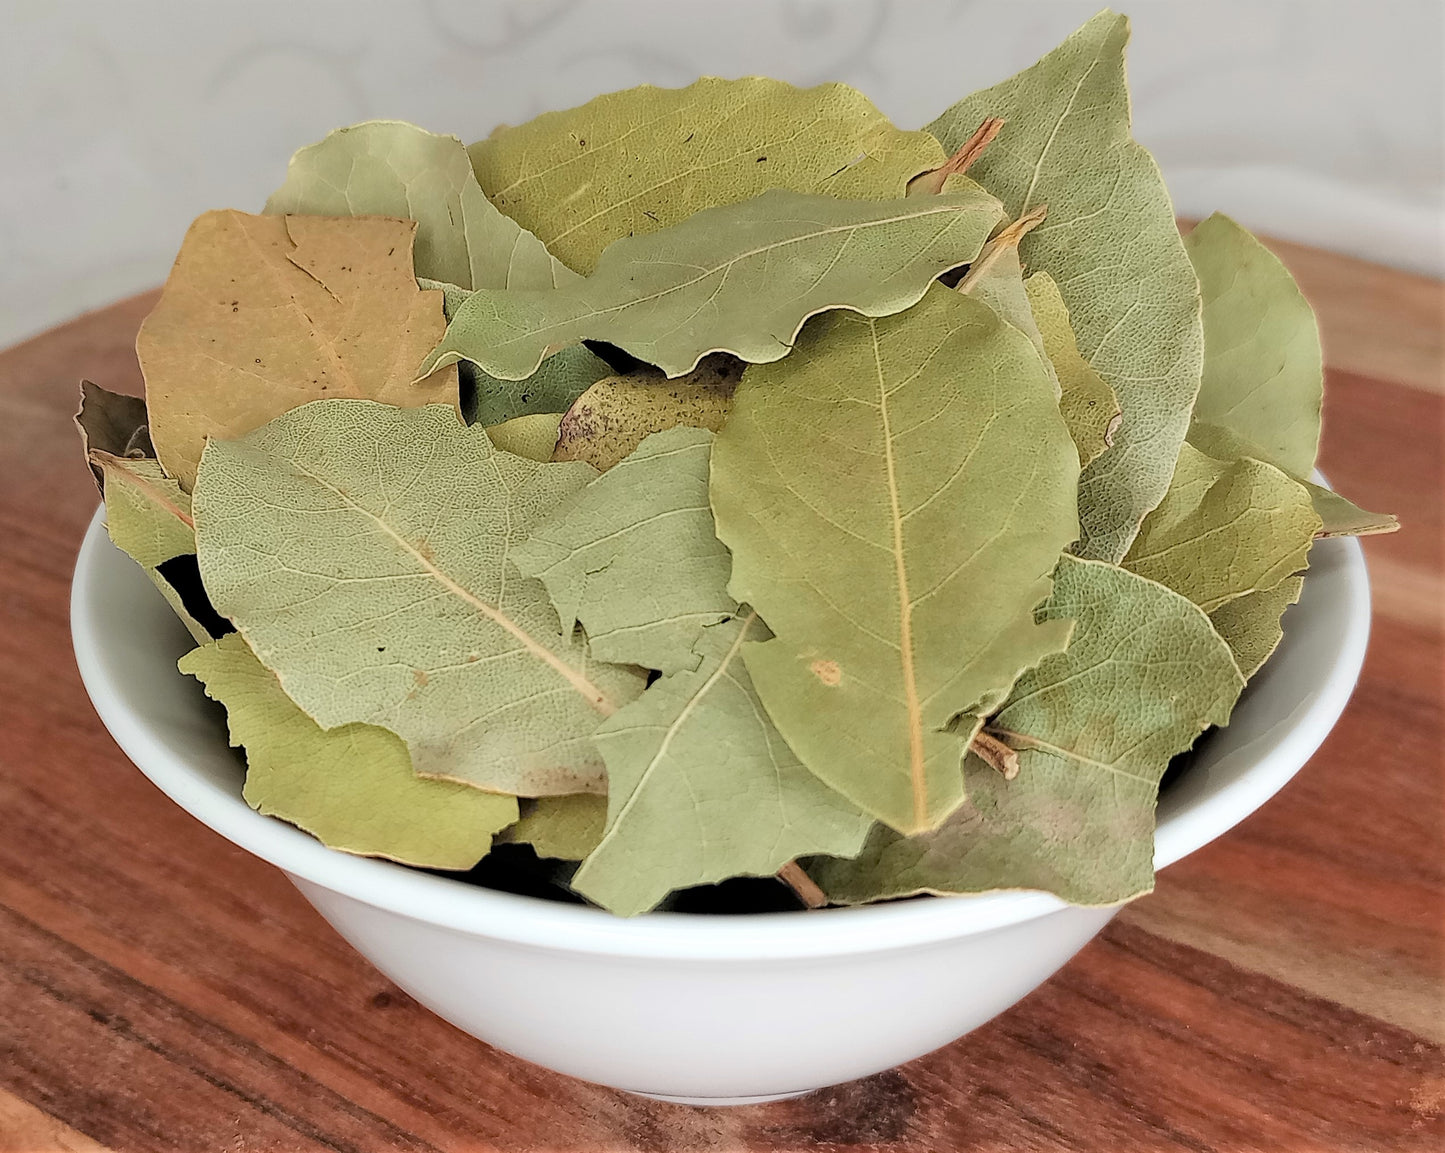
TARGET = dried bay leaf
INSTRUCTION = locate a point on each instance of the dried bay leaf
(1342, 517)
(563, 828)
(1338, 515)
(1111, 244)
(608, 421)
(392, 168)
(553, 388)
(362, 550)
(640, 160)
(895, 495)
(1225, 529)
(561, 379)
(634, 556)
(264, 313)
(351, 787)
(1095, 727)
(113, 423)
(534, 437)
(944, 177)
(1263, 371)
(1035, 308)
(740, 279)
(1260, 400)
(997, 279)
(1250, 625)
(1263, 383)
(148, 517)
(701, 786)
(453, 295)
(1090, 408)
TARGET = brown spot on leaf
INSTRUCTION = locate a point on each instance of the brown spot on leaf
(828, 672)
(420, 677)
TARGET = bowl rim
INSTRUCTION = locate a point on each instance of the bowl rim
(472, 910)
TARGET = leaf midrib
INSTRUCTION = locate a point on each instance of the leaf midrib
(585, 688)
(677, 724)
(917, 780)
(729, 263)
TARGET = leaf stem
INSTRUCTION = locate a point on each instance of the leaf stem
(993, 752)
(803, 885)
(960, 162)
(109, 462)
(1006, 238)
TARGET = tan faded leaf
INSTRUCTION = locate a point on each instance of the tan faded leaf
(264, 313)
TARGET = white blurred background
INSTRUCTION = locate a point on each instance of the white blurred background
(1321, 121)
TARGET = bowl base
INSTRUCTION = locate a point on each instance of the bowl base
(710, 1102)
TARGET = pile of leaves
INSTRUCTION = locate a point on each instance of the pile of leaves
(720, 481)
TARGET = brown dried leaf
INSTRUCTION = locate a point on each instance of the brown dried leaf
(112, 423)
(264, 313)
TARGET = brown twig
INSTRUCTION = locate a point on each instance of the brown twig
(803, 885)
(932, 182)
(996, 754)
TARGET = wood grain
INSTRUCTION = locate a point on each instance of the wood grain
(1281, 990)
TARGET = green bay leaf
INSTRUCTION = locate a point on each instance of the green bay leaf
(1089, 406)
(148, 517)
(351, 787)
(634, 556)
(1342, 517)
(1111, 244)
(559, 381)
(534, 437)
(643, 159)
(1095, 727)
(563, 828)
(362, 550)
(701, 786)
(1250, 625)
(740, 279)
(1263, 371)
(608, 421)
(895, 495)
(997, 279)
(392, 168)
(1225, 529)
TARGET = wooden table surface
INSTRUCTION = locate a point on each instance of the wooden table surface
(1282, 990)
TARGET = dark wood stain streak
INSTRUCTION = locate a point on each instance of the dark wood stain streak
(164, 991)
(38, 967)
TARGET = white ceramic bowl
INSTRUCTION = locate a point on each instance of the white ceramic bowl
(720, 1009)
